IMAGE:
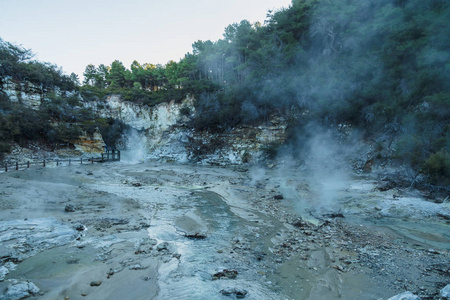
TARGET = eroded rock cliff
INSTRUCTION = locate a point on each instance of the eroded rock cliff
(165, 133)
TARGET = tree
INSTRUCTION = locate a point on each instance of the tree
(116, 76)
(90, 75)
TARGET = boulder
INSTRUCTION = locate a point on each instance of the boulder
(445, 292)
(20, 290)
(405, 296)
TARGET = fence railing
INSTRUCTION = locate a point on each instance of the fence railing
(110, 155)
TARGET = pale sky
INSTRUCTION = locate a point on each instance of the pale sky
(75, 33)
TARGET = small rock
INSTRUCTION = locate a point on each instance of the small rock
(197, 236)
(405, 296)
(445, 292)
(432, 251)
(162, 246)
(10, 266)
(80, 227)
(135, 267)
(95, 283)
(239, 293)
(69, 208)
(230, 274)
(110, 273)
(278, 197)
(3, 272)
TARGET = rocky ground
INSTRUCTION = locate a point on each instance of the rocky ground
(163, 231)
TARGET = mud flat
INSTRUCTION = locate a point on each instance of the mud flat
(165, 231)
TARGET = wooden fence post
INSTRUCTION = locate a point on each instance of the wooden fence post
(69, 161)
(103, 159)
(28, 164)
(57, 162)
(44, 163)
(118, 154)
(17, 165)
(92, 159)
(81, 160)
(6, 167)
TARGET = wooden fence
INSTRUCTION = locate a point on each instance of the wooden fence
(110, 155)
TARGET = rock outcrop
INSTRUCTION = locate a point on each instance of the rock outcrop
(163, 131)
(26, 93)
(90, 143)
(167, 136)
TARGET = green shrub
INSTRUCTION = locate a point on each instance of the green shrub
(437, 168)
(185, 111)
(4, 148)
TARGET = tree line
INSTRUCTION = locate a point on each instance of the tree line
(380, 66)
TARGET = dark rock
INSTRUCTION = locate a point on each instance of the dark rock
(144, 225)
(72, 261)
(334, 215)
(197, 236)
(386, 186)
(90, 173)
(230, 274)
(444, 216)
(115, 221)
(80, 227)
(95, 283)
(239, 293)
(278, 197)
(299, 223)
(69, 208)
(137, 184)
(110, 273)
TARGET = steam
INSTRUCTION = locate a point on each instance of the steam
(135, 147)
(328, 168)
(257, 174)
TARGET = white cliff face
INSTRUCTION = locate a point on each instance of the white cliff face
(163, 132)
(141, 117)
(168, 138)
(26, 93)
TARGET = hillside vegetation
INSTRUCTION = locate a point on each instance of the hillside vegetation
(382, 67)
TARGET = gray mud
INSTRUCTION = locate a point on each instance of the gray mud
(161, 231)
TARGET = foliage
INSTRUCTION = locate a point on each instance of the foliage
(16, 62)
(112, 130)
(437, 167)
(380, 66)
